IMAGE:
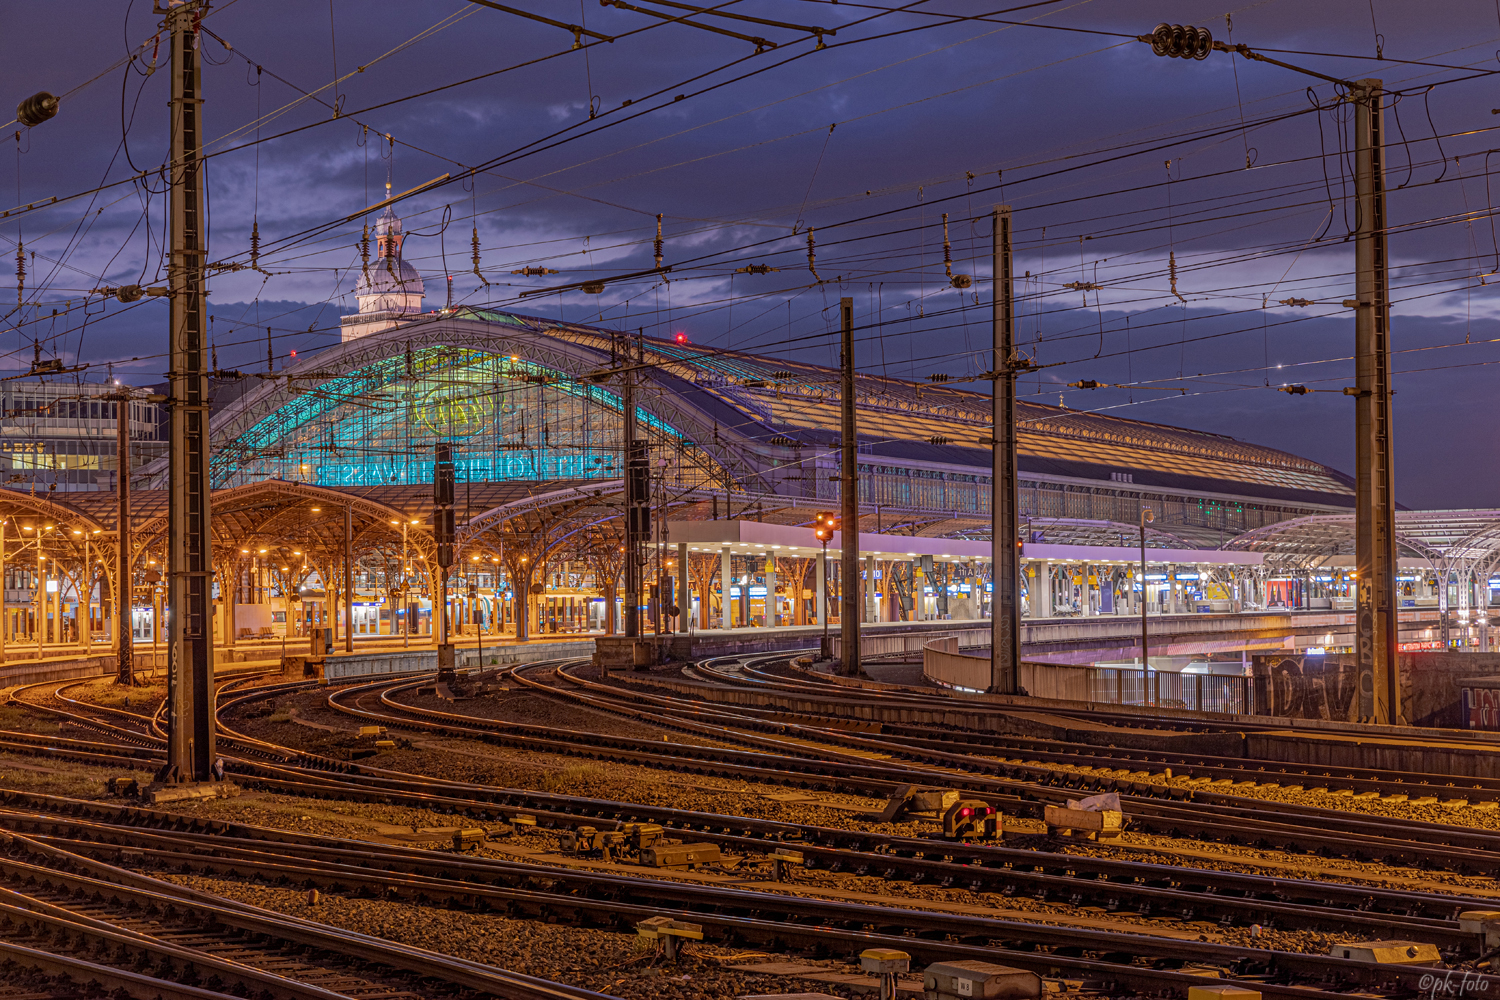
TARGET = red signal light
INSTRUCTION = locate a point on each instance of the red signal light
(682, 338)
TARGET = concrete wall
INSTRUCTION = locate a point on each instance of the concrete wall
(944, 665)
(1326, 687)
(15, 674)
(418, 661)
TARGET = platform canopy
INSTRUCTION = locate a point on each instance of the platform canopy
(1460, 541)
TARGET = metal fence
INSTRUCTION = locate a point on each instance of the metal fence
(898, 643)
(1200, 692)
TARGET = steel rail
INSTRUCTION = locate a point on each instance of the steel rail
(112, 882)
(840, 926)
(1261, 818)
(1455, 844)
(1286, 904)
(78, 970)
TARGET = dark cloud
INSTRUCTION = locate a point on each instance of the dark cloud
(735, 168)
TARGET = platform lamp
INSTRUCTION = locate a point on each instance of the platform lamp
(824, 528)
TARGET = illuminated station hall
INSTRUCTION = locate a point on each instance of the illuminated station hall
(323, 507)
(323, 513)
(328, 466)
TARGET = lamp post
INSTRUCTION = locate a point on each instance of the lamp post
(1146, 517)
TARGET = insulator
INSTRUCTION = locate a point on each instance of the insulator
(20, 272)
(947, 248)
(1172, 272)
(364, 253)
(1182, 41)
(475, 242)
(658, 241)
(812, 255)
(411, 366)
(255, 247)
(36, 109)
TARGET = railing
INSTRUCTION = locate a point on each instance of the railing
(899, 643)
(1231, 694)
(945, 666)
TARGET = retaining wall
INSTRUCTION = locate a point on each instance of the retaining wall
(15, 674)
(416, 661)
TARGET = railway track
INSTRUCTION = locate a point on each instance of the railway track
(831, 758)
(1155, 890)
(754, 671)
(66, 904)
(820, 761)
(1113, 961)
(1114, 885)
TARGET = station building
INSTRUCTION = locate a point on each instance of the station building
(324, 476)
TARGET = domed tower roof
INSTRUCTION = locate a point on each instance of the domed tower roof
(390, 284)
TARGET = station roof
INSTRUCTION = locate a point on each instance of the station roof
(1458, 539)
(791, 409)
(898, 419)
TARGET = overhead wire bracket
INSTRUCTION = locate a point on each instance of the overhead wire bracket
(811, 29)
(577, 29)
(761, 44)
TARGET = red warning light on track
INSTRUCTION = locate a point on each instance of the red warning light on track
(682, 338)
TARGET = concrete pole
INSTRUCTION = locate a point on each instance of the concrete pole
(1374, 505)
(685, 588)
(872, 606)
(4, 613)
(726, 581)
(41, 595)
(851, 613)
(190, 656)
(770, 602)
(349, 579)
(124, 592)
(820, 605)
(1005, 624)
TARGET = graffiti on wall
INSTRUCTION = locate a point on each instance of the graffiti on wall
(1304, 687)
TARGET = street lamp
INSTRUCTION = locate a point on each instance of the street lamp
(823, 529)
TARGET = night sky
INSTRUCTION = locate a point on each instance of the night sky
(1115, 162)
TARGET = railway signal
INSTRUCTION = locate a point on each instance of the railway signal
(823, 529)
